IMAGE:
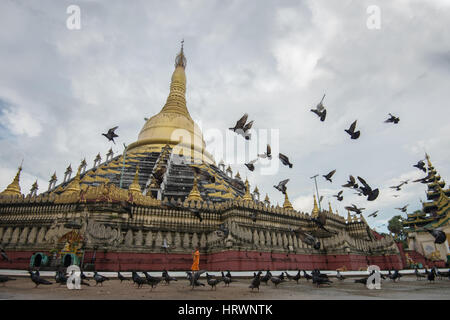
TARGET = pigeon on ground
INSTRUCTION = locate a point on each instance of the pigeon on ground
(99, 278)
(121, 277)
(167, 278)
(339, 276)
(35, 277)
(277, 280)
(226, 280)
(111, 134)
(306, 276)
(152, 281)
(256, 281)
(193, 278)
(418, 274)
(212, 282)
(351, 131)
(137, 279)
(5, 279)
(297, 276)
(266, 277)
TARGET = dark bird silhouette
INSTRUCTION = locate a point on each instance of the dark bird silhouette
(194, 277)
(420, 165)
(277, 280)
(60, 277)
(398, 187)
(418, 274)
(267, 154)
(339, 276)
(137, 279)
(83, 276)
(329, 175)
(285, 160)
(5, 279)
(152, 281)
(308, 238)
(351, 131)
(403, 209)
(318, 280)
(266, 277)
(354, 209)
(251, 165)
(426, 179)
(438, 235)
(392, 119)
(121, 277)
(282, 186)
(256, 281)
(289, 276)
(226, 280)
(394, 276)
(350, 183)
(367, 190)
(35, 277)
(373, 214)
(242, 128)
(306, 276)
(320, 110)
(228, 274)
(430, 275)
(212, 281)
(339, 196)
(111, 134)
(167, 278)
(297, 276)
(363, 280)
(99, 278)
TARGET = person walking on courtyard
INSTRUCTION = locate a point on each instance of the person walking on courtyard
(196, 257)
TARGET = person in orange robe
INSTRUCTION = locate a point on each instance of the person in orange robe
(196, 256)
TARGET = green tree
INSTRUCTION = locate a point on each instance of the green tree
(395, 226)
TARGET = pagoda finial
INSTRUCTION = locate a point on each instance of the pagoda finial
(34, 188)
(267, 200)
(315, 211)
(14, 187)
(329, 208)
(247, 195)
(74, 186)
(180, 60)
(195, 193)
(135, 187)
(287, 204)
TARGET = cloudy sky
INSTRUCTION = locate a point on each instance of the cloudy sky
(61, 88)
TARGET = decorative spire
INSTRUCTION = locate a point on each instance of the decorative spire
(287, 204)
(34, 188)
(329, 208)
(256, 191)
(237, 176)
(74, 186)
(194, 194)
(180, 60)
(247, 195)
(315, 211)
(135, 187)
(14, 187)
(266, 199)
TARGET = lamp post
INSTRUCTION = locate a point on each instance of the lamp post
(317, 190)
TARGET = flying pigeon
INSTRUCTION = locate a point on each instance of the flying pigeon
(329, 175)
(267, 154)
(320, 110)
(282, 186)
(111, 134)
(285, 160)
(339, 196)
(393, 119)
(351, 131)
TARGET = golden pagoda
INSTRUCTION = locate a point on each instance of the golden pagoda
(13, 188)
(173, 125)
(74, 186)
(315, 211)
(135, 187)
(247, 195)
(194, 194)
(287, 204)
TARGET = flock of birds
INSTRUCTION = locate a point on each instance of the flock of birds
(316, 276)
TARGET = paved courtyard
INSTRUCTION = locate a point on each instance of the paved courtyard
(407, 288)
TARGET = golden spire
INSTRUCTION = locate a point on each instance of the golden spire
(287, 204)
(315, 211)
(194, 194)
(34, 188)
(267, 198)
(247, 195)
(256, 191)
(329, 208)
(14, 188)
(74, 186)
(53, 177)
(428, 161)
(349, 217)
(237, 176)
(173, 125)
(135, 187)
